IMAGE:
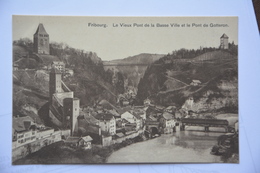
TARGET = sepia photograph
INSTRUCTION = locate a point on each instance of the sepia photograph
(110, 90)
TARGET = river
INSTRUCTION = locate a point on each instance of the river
(191, 145)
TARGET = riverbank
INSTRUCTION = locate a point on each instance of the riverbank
(190, 146)
(59, 153)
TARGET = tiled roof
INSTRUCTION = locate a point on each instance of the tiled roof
(104, 116)
(125, 121)
(167, 116)
(57, 62)
(87, 138)
(90, 119)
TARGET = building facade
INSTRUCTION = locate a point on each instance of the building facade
(107, 123)
(64, 108)
(58, 65)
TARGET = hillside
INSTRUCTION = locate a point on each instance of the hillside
(168, 82)
(132, 67)
(90, 82)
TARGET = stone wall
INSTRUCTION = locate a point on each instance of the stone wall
(130, 136)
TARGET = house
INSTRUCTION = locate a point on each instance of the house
(58, 65)
(195, 83)
(69, 71)
(141, 111)
(170, 109)
(22, 128)
(133, 119)
(122, 122)
(79, 142)
(85, 142)
(25, 131)
(107, 122)
(167, 122)
(147, 102)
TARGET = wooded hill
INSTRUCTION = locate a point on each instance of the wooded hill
(90, 82)
(168, 80)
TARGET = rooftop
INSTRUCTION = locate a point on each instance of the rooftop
(104, 116)
(87, 138)
(196, 81)
(58, 62)
(167, 116)
(224, 36)
(41, 29)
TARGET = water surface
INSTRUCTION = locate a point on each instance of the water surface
(183, 146)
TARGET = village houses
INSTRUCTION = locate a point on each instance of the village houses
(195, 82)
(107, 122)
(133, 119)
(79, 142)
(167, 122)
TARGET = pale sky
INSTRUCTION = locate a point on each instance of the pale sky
(120, 42)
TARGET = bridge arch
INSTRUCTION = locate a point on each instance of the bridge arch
(154, 130)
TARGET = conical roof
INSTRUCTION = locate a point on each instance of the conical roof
(224, 36)
(41, 29)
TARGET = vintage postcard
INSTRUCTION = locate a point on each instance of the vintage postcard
(90, 90)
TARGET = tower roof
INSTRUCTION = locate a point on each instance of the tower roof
(224, 36)
(41, 30)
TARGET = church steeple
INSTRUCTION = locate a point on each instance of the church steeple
(41, 40)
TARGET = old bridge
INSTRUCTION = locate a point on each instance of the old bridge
(206, 123)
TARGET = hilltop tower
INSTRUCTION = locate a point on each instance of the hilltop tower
(55, 82)
(41, 41)
(224, 42)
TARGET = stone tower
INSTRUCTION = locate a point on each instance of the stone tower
(71, 113)
(55, 82)
(41, 41)
(224, 42)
